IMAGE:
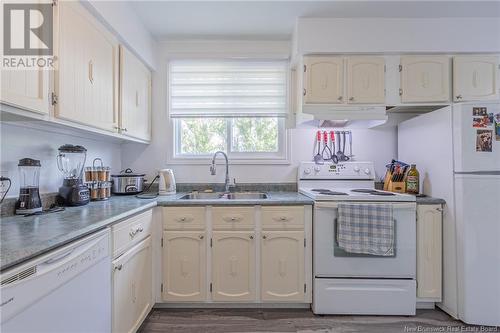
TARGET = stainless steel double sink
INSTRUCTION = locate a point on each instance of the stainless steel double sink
(226, 196)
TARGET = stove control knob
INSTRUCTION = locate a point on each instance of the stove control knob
(307, 171)
(317, 168)
(356, 168)
(367, 171)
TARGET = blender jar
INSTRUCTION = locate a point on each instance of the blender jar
(29, 195)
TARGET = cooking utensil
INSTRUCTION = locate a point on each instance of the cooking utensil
(343, 156)
(127, 182)
(325, 147)
(318, 158)
(334, 156)
(350, 145)
(339, 152)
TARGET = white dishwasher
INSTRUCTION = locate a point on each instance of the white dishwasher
(67, 290)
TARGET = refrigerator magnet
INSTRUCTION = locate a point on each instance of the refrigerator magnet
(479, 111)
(484, 140)
(497, 126)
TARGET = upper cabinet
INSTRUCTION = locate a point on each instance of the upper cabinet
(365, 80)
(323, 79)
(135, 96)
(425, 79)
(87, 80)
(325, 82)
(475, 78)
(26, 89)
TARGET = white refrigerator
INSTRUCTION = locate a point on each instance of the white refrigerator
(457, 151)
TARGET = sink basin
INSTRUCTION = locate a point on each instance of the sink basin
(228, 196)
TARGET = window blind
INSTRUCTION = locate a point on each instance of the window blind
(228, 88)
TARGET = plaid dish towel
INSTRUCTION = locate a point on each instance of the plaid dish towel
(366, 229)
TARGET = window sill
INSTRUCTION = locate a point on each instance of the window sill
(232, 161)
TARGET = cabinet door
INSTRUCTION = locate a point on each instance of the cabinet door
(233, 266)
(184, 266)
(425, 79)
(475, 78)
(283, 270)
(132, 290)
(429, 247)
(88, 57)
(135, 92)
(323, 79)
(365, 80)
(26, 89)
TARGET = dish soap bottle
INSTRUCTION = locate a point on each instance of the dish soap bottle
(412, 180)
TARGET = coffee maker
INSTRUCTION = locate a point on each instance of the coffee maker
(70, 161)
(29, 195)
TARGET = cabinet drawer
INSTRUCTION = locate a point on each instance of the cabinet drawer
(131, 231)
(184, 218)
(288, 217)
(233, 218)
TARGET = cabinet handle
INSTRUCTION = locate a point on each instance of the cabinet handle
(351, 98)
(283, 218)
(439, 209)
(124, 129)
(458, 97)
(201, 236)
(264, 237)
(340, 98)
(119, 267)
(303, 92)
(251, 236)
(91, 72)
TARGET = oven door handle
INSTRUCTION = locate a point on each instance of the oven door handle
(335, 205)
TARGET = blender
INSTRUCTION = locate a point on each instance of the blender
(29, 195)
(70, 161)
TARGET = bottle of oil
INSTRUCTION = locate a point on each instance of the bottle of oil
(412, 180)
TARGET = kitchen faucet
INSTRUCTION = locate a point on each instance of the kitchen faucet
(213, 169)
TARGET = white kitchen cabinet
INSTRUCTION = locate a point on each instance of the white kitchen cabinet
(135, 96)
(26, 89)
(87, 78)
(425, 79)
(365, 80)
(282, 266)
(233, 266)
(132, 289)
(476, 77)
(429, 251)
(323, 80)
(184, 266)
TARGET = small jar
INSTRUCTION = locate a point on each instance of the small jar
(105, 174)
(88, 174)
(108, 191)
(94, 192)
(102, 193)
(95, 174)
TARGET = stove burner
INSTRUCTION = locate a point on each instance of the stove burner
(332, 193)
(364, 190)
(320, 190)
(382, 193)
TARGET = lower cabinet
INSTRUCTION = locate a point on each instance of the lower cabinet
(184, 266)
(429, 251)
(132, 297)
(238, 254)
(282, 266)
(233, 266)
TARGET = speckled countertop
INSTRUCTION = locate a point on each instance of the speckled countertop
(23, 238)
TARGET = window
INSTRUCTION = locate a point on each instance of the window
(237, 106)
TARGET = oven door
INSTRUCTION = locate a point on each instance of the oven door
(331, 261)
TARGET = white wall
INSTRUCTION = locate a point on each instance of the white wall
(389, 35)
(121, 18)
(374, 145)
(20, 142)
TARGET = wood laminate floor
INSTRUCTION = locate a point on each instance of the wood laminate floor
(293, 320)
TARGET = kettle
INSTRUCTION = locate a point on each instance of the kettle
(167, 182)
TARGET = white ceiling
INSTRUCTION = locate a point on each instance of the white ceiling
(275, 19)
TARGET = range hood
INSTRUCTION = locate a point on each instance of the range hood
(365, 116)
(341, 116)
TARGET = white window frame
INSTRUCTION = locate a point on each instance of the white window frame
(282, 156)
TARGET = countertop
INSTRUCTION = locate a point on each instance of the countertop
(23, 238)
(430, 201)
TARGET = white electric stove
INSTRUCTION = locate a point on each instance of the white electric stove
(347, 283)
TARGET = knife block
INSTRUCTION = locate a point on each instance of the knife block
(392, 186)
